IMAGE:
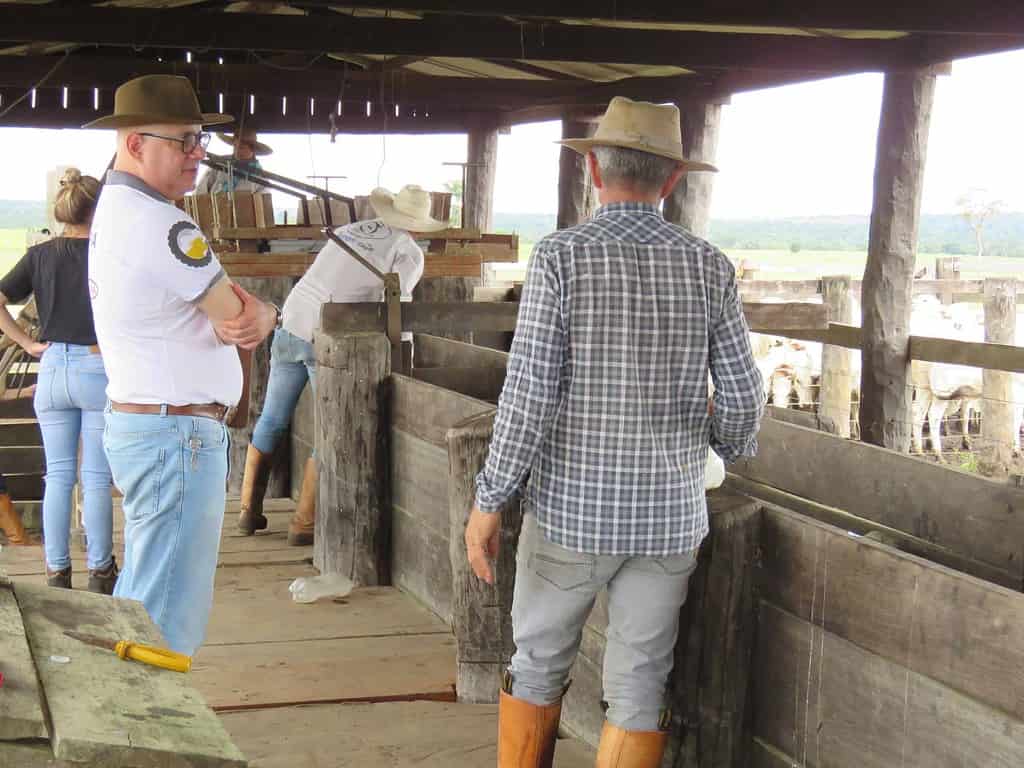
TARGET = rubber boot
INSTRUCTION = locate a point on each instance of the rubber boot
(10, 522)
(526, 733)
(300, 529)
(103, 581)
(620, 748)
(254, 488)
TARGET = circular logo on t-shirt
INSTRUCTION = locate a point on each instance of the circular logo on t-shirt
(374, 230)
(188, 245)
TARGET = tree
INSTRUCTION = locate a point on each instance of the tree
(976, 208)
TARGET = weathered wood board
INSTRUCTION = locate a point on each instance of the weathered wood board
(21, 708)
(20, 432)
(427, 411)
(106, 711)
(976, 518)
(419, 507)
(824, 701)
(422, 734)
(375, 668)
(958, 630)
(253, 605)
(438, 352)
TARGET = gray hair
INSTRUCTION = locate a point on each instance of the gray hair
(631, 167)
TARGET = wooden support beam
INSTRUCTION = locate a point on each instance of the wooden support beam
(441, 318)
(577, 197)
(998, 424)
(481, 612)
(888, 277)
(478, 195)
(353, 521)
(836, 362)
(475, 37)
(712, 678)
(689, 204)
(985, 17)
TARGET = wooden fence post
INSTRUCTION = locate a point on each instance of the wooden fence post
(947, 268)
(353, 522)
(481, 612)
(997, 422)
(710, 683)
(836, 375)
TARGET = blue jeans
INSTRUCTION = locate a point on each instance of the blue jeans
(69, 401)
(554, 592)
(172, 471)
(292, 362)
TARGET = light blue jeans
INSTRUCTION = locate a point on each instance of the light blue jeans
(69, 401)
(292, 363)
(172, 471)
(555, 590)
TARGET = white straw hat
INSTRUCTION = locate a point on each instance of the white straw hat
(643, 126)
(409, 209)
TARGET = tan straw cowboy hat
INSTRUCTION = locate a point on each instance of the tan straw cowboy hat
(640, 125)
(247, 136)
(157, 100)
(409, 209)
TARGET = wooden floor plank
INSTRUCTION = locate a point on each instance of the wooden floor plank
(21, 711)
(357, 669)
(106, 711)
(422, 734)
(252, 604)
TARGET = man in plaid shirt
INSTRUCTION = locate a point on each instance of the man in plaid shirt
(605, 408)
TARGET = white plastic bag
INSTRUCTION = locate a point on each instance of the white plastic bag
(309, 590)
(714, 472)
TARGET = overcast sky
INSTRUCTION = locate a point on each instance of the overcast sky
(794, 151)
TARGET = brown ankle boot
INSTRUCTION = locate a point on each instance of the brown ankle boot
(620, 748)
(526, 733)
(103, 581)
(61, 578)
(300, 529)
(254, 488)
(10, 522)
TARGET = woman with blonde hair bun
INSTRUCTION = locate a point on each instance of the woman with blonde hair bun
(71, 388)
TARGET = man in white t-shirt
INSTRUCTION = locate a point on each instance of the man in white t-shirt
(167, 320)
(334, 277)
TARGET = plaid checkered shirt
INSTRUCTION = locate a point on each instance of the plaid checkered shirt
(605, 404)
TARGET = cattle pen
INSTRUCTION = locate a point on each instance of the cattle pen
(854, 605)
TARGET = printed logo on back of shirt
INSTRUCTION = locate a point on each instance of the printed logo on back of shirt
(188, 245)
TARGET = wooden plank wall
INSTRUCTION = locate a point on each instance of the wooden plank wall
(867, 656)
(421, 415)
(978, 521)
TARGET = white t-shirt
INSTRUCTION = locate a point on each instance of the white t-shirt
(336, 277)
(149, 266)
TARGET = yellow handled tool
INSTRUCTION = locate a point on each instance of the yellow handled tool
(144, 654)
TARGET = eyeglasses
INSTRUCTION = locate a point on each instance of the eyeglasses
(188, 142)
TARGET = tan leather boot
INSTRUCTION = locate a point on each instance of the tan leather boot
(526, 733)
(620, 748)
(254, 488)
(300, 529)
(10, 522)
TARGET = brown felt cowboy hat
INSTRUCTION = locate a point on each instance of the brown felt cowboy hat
(247, 136)
(640, 125)
(157, 100)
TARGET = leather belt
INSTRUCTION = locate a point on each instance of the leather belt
(94, 349)
(214, 411)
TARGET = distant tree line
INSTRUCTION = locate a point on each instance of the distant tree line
(939, 233)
